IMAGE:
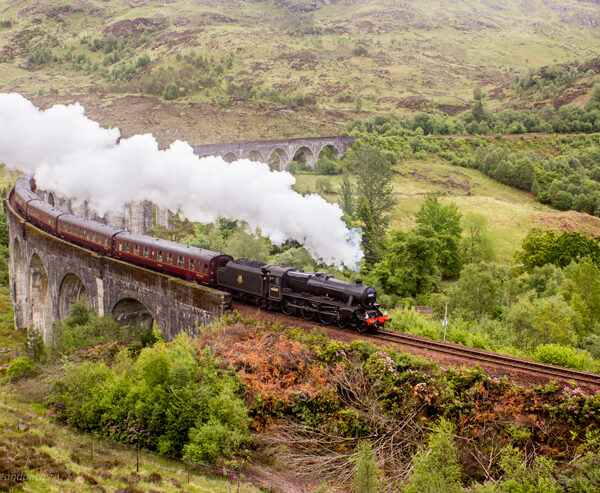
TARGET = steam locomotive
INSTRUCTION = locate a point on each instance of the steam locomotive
(311, 295)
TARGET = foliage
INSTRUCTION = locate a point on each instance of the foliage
(436, 468)
(22, 367)
(171, 399)
(476, 244)
(347, 195)
(367, 470)
(244, 245)
(171, 92)
(544, 247)
(479, 291)
(444, 220)
(581, 289)
(374, 173)
(410, 265)
(3, 249)
(370, 242)
(84, 329)
(565, 356)
(34, 344)
(521, 477)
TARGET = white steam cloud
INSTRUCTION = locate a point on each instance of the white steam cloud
(71, 154)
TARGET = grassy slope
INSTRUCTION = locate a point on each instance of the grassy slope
(419, 55)
(112, 467)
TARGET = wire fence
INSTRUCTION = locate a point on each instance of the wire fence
(106, 449)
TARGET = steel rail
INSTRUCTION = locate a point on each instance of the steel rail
(488, 357)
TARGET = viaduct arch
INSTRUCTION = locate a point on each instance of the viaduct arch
(48, 275)
(263, 150)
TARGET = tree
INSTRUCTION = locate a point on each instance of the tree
(366, 472)
(374, 180)
(177, 230)
(581, 289)
(444, 220)
(441, 218)
(244, 245)
(540, 321)
(476, 245)
(370, 245)
(409, 266)
(436, 469)
(347, 195)
(479, 291)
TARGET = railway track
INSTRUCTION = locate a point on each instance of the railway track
(482, 356)
(514, 366)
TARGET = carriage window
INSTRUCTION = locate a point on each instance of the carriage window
(120, 245)
(105, 241)
(93, 236)
(191, 264)
(180, 261)
(152, 253)
(136, 249)
(159, 256)
(205, 268)
(169, 258)
(145, 251)
(127, 247)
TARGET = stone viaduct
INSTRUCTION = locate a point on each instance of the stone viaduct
(284, 150)
(48, 275)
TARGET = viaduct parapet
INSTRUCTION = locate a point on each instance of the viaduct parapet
(284, 150)
(48, 275)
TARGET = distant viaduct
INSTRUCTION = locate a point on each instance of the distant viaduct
(283, 151)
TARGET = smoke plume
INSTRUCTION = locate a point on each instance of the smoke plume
(73, 155)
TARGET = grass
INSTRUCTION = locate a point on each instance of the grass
(10, 338)
(57, 459)
(435, 52)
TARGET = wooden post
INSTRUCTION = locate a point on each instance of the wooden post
(137, 458)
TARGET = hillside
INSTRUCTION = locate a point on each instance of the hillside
(271, 69)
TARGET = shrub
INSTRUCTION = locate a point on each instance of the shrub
(171, 92)
(566, 356)
(22, 367)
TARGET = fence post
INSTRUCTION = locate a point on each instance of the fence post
(92, 448)
(137, 458)
(187, 466)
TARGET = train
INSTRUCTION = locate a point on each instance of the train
(311, 295)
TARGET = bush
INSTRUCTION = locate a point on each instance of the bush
(171, 92)
(84, 329)
(22, 367)
(170, 399)
(566, 356)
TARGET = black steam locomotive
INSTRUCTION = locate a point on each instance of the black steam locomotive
(312, 295)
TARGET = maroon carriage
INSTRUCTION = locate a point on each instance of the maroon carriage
(177, 259)
(86, 232)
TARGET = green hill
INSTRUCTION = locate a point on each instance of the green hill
(271, 69)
